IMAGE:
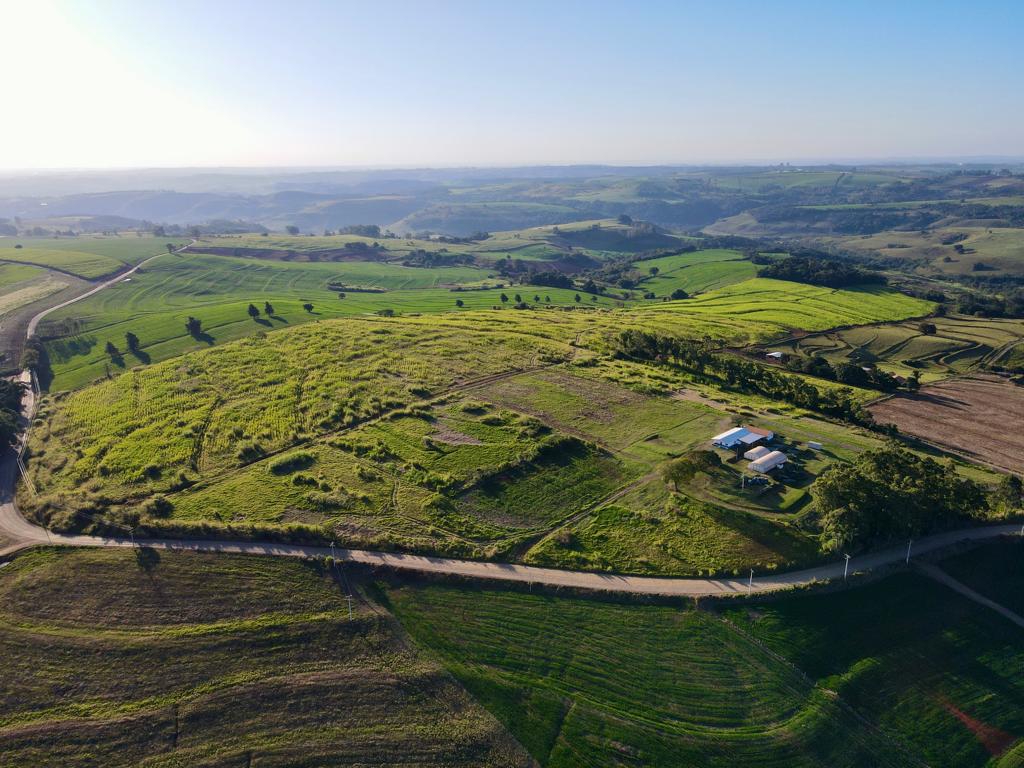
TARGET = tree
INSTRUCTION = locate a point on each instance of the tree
(679, 293)
(8, 429)
(519, 299)
(578, 298)
(268, 309)
(132, 341)
(308, 307)
(194, 326)
(460, 303)
(624, 219)
(194, 233)
(653, 271)
(291, 229)
(547, 299)
(891, 493)
(928, 329)
(253, 311)
(169, 247)
(158, 231)
(504, 299)
(536, 298)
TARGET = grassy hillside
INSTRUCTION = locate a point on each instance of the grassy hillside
(900, 672)
(939, 672)
(84, 256)
(177, 659)
(582, 682)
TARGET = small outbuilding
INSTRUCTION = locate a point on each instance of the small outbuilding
(780, 356)
(768, 462)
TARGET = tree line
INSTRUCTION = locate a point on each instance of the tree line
(698, 357)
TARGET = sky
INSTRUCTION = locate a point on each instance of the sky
(168, 83)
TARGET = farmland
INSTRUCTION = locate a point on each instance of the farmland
(86, 257)
(586, 682)
(21, 284)
(938, 672)
(901, 672)
(957, 345)
(971, 415)
(169, 659)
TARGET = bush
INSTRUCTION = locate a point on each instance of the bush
(291, 462)
(250, 451)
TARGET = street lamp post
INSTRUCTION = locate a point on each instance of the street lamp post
(846, 568)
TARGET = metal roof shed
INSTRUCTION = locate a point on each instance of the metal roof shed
(769, 462)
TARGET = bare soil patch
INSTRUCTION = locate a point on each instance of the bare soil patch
(444, 433)
(979, 416)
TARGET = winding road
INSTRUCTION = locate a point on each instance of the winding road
(17, 533)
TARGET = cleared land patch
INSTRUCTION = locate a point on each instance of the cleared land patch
(975, 415)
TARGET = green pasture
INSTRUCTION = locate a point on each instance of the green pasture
(696, 272)
(931, 668)
(84, 256)
(592, 682)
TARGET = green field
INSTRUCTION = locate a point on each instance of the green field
(939, 672)
(695, 272)
(83, 256)
(585, 682)
(121, 658)
(902, 671)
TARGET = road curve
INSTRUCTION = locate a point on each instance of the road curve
(34, 322)
(17, 533)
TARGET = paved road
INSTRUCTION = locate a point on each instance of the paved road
(17, 533)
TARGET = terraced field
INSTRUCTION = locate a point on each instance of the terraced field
(783, 305)
(582, 682)
(959, 344)
(170, 659)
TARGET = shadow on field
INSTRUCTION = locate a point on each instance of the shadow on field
(261, 321)
(147, 558)
(141, 355)
(278, 318)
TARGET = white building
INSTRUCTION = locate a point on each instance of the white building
(756, 453)
(768, 462)
(748, 437)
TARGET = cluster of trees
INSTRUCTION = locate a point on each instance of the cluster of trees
(699, 357)
(11, 393)
(889, 494)
(1009, 304)
(818, 271)
(850, 374)
(424, 258)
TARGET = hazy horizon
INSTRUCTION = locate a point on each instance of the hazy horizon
(458, 84)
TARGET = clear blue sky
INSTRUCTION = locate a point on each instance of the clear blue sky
(217, 82)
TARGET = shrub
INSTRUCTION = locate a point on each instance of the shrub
(291, 462)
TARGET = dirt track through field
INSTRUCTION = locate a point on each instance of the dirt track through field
(979, 416)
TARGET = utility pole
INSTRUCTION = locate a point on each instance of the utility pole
(131, 534)
(349, 598)
(846, 568)
(909, 543)
(332, 552)
(750, 584)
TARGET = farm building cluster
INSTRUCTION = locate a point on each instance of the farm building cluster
(752, 442)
